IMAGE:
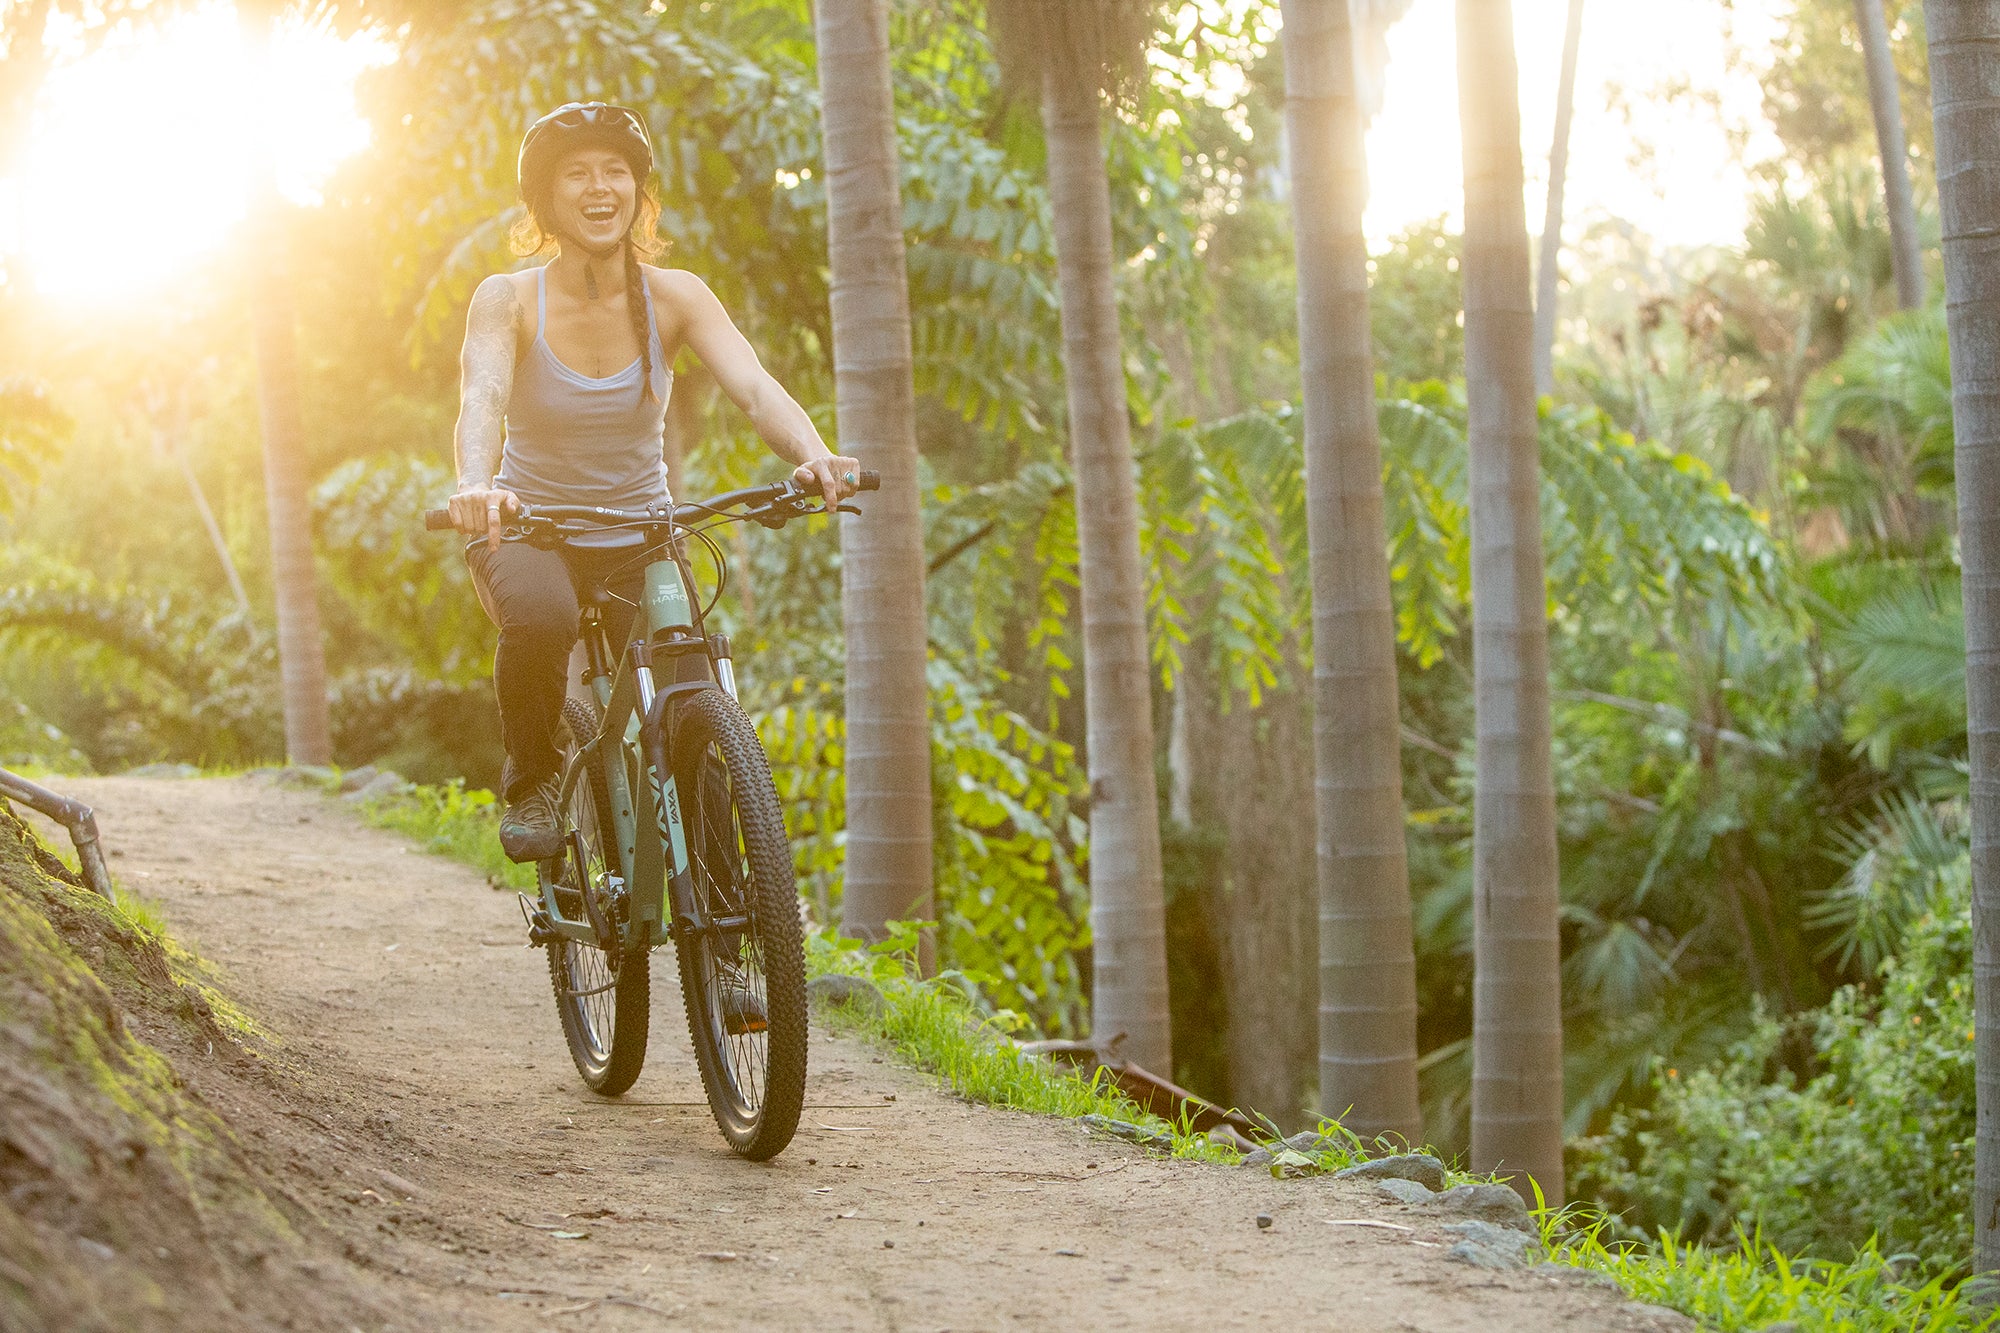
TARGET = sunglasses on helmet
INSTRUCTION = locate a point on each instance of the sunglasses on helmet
(576, 115)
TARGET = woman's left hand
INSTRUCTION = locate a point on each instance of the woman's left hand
(835, 477)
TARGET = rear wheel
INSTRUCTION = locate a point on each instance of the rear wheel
(603, 993)
(743, 977)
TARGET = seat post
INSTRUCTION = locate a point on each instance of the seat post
(586, 660)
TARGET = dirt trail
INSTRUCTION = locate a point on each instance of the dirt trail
(431, 1120)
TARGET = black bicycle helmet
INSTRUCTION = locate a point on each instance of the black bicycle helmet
(573, 124)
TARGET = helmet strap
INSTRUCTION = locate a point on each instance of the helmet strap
(592, 256)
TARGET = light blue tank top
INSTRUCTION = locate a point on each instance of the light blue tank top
(577, 440)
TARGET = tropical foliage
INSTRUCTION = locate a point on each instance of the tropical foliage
(1871, 1143)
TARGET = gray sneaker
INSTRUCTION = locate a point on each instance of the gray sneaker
(531, 829)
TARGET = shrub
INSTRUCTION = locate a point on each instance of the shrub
(1874, 1145)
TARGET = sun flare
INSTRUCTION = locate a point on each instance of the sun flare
(138, 161)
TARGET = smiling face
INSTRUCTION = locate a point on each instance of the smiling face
(593, 198)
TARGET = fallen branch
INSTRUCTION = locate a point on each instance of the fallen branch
(1157, 1095)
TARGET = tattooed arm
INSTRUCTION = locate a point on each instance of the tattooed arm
(486, 381)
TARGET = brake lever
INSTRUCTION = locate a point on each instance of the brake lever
(785, 508)
(541, 536)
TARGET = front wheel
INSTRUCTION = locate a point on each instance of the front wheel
(743, 974)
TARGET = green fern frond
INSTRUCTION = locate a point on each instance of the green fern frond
(1897, 859)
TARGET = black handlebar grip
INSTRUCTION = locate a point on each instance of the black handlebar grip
(437, 520)
(871, 481)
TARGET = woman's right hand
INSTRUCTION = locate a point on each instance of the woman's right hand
(483, 511)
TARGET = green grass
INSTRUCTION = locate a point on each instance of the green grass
(1755, 1285)
(933, 1025)
(455, 822)
(143, 913)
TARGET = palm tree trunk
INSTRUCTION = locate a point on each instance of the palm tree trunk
(1965, 68)
(1368, 988)
(1548, 274)
(1517, 1094)
(301, 645)
(882, 582)
(1127, 900)
(1906, 248)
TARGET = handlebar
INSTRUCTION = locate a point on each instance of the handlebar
(439, 520)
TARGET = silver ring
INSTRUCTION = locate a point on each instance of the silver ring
(492, 509)
(847, 477)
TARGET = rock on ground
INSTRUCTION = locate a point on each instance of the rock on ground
(164, 771)
(1484, 1245)
(1422, 1168)
(377, 787)
(1131, 1133)
(844, 992)
(1404, 1191)
(1486, 1203)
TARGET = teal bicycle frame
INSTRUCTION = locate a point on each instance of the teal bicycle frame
(651, 856)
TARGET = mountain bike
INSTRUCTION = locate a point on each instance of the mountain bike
(672, 830)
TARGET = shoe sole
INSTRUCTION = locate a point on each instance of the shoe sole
(522, 850)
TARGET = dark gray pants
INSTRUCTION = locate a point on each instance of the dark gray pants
(535, 597)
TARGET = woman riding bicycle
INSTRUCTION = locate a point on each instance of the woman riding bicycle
(547, 416)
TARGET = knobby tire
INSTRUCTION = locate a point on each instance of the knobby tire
(741, 865)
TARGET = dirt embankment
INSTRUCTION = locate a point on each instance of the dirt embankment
(126, 1201)
(409, 1149)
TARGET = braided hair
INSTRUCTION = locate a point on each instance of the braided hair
(635, 306)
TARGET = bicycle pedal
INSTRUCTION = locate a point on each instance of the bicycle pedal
(541, 930)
